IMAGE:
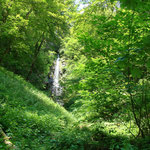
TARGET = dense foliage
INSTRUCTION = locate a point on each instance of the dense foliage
(105, 53)
(30, 35)
(33, 121)
(108, 64)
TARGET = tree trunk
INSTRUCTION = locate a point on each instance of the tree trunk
(6, 140)
(27, 15)
(37, 51)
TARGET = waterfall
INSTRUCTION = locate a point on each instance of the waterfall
(57, 90)
(56, 78)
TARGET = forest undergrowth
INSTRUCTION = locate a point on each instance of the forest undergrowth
(32, 120)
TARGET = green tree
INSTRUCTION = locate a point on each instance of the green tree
(29, 31)
(112, 69)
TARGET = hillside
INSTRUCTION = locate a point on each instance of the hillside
(32, 120)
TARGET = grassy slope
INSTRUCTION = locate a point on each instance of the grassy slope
(34, 121)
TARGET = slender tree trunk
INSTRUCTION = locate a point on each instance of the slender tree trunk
(37, 51)
(6, 140)
(28, 13)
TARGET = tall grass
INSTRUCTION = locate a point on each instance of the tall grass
(33, 120)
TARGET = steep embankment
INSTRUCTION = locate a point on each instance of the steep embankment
(33, 120)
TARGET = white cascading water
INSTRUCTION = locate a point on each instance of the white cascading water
(56, 87)
(56, 78)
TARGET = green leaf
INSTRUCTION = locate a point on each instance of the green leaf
(148, 63)
(136, 72)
